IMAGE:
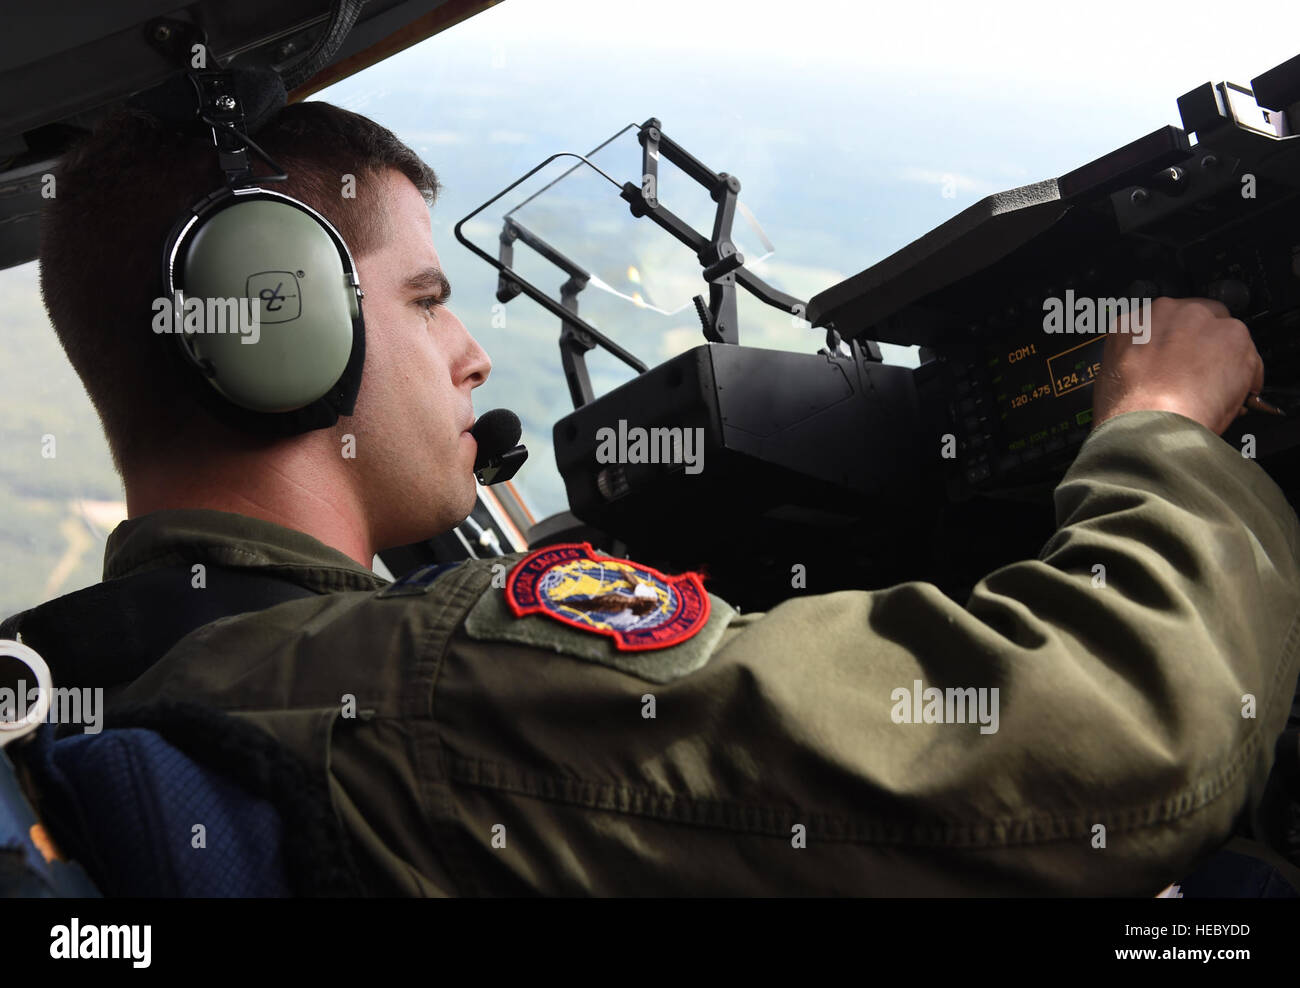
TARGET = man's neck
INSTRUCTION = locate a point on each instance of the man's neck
(293, 492)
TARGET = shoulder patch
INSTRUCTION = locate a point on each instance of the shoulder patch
(638, 607)
(490, 620)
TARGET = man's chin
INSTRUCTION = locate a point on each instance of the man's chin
(465, 501)
(444, 514)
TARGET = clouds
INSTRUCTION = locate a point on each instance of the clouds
(507, 137)
(433, 138)
(1114, 45)
(960, 184)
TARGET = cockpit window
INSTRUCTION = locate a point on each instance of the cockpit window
(853, 130)
(59, 493)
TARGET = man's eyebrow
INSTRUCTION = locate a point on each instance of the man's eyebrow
(427, 280)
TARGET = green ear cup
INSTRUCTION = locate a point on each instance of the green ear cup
(298, 345)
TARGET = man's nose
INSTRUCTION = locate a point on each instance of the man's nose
(475, 361)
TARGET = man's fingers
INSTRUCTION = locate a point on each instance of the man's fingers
(1257, 381)
(1217, 307)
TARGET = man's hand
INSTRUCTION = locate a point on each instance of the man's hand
(1198, 362)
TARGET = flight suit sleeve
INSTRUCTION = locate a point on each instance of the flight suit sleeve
(1090, 722)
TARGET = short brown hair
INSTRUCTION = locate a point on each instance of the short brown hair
(118, 194)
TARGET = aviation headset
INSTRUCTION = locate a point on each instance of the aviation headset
(301, 370)
(242, 242)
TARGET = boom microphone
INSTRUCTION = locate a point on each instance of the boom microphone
(500, 455)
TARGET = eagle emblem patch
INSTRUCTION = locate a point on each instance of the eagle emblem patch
(639, 607)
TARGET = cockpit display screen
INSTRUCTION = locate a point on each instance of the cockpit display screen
(1043, 390)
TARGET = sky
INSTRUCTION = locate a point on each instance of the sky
(1104, 47)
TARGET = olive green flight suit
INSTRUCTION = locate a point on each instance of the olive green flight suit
(468, 751)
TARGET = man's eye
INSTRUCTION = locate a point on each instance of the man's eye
(430, 302)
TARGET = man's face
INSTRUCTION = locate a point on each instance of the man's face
(414, 456)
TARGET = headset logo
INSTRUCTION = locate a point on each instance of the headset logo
(278, 291)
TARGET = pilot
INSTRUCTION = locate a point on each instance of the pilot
(1092, 721)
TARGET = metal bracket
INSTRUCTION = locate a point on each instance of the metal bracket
(723, 265)
(575, 340)
(175, 39)
(220, 107)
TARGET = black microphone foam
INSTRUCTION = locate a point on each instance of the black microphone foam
(496, 432)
